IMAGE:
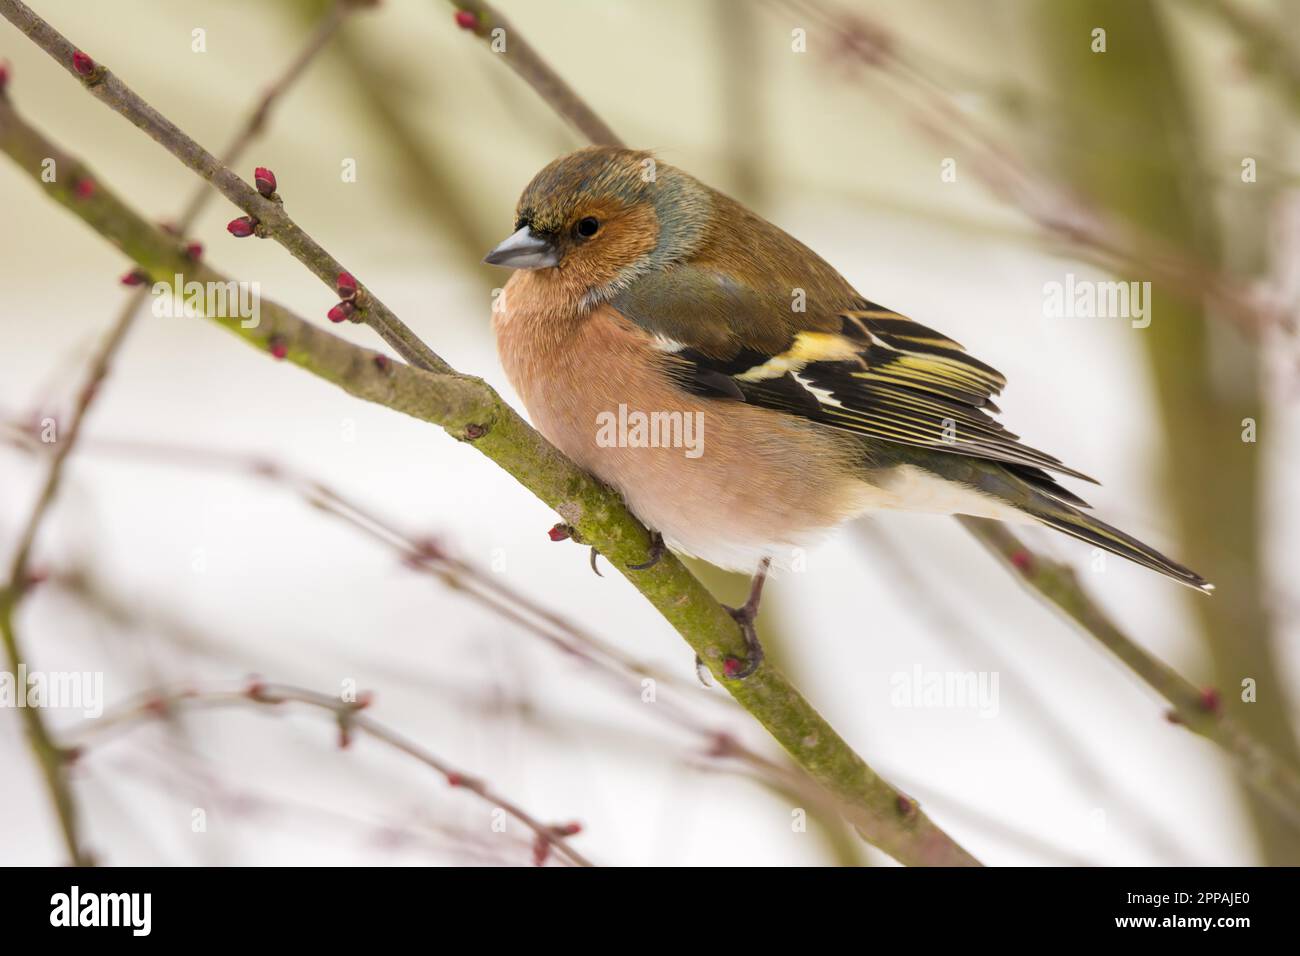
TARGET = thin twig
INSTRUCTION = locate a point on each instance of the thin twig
(350, 718)
(1196, 709)
(485, 22)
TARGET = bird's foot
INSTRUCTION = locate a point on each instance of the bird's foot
(656, 552)
(594, 555)
(745, 616)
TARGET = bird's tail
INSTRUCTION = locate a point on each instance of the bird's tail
(1035, 493)
(1078, 524)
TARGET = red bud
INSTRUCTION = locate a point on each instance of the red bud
(340, 312)
(429, 549)
(381, 363)
(264, 180)
(194, 250)
(454, 780)
(561, 532)
(82, 63)
(570, 829)
(278, 347)
(241, 227)
(346, 285)
(731, 667)
(1210, 700)
(134, 277)
(1021, 561)
(4, 76)
(84, 188)
(541, 851)
(466, 20)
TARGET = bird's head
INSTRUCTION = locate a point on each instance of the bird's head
(600, 217)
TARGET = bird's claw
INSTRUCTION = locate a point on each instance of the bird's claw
(745, 615)
(732, 667)
(656, 552)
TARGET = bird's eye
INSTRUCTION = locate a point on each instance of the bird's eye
(587, 227)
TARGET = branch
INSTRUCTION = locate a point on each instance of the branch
(1197, 710)
(350, 717)
(269, 215)
(98, 370)
(471, 411)
(484, 21)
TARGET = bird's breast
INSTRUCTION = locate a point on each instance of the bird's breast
(720, 479)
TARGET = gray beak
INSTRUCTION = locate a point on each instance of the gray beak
(523, 250)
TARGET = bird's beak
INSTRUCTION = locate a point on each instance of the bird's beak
(524, 250)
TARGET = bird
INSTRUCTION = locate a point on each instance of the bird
(647, 309)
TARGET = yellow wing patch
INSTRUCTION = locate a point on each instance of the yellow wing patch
(807, 347)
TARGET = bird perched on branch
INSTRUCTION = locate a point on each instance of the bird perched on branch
(646, 305)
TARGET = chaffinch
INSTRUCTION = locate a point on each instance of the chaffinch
(648, 312)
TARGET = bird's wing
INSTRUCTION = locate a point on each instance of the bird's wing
(853, 366)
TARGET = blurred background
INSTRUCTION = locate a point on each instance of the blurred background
(952, 159)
